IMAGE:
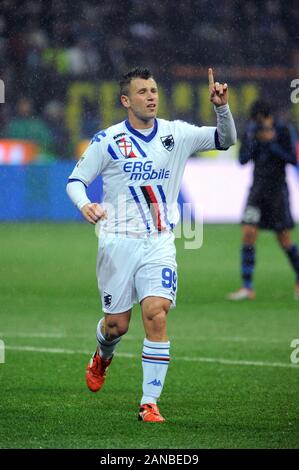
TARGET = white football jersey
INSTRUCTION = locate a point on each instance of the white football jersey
(142, 172)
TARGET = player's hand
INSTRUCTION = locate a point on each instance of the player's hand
(93, 212)
(218, 91)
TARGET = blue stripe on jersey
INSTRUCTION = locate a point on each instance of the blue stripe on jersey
(136, 199)
(153, 347)
(217, 142)
(145, 138)
(140, 150)
(112, 153)
(163, 197)
(71, 180)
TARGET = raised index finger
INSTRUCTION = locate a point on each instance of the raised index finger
(211, 77)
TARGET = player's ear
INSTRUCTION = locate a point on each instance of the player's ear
(125, 101)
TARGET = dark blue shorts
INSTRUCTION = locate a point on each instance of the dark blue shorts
(268, 210)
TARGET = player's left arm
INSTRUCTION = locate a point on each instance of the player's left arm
(226, 134)
(210, 137)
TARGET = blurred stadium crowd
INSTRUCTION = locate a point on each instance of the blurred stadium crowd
(46, 44)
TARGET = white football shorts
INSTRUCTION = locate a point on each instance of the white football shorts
(130, 269)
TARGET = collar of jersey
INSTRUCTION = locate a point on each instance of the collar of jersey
(145, 138)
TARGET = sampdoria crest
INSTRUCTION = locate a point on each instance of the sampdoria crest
(168, 142)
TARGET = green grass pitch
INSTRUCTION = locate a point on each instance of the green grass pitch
(230, 382)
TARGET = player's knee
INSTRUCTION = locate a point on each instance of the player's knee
(159, 321)
(115, 328)
(284, 239)
(122, 329)
(156, 314)
(249, 235)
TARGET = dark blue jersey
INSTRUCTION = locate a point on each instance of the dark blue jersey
(271, 158)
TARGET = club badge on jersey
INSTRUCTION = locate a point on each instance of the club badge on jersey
(125, 146)
(168, 142)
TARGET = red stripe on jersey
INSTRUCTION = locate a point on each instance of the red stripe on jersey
(154, 207)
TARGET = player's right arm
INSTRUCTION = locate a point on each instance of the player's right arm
(93, 212)
(249, 144)
(87, 169)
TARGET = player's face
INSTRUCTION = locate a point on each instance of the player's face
(143, 99)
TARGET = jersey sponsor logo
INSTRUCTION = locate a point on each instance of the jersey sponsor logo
(168, 142)
(107, 299)
(143, 171)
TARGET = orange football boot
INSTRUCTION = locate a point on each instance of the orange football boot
(96, 372)
(150, 413)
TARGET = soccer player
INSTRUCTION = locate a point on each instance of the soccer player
(271, 146)
(141, 161)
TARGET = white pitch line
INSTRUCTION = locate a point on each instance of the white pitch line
(50, 335)
(212, 360)
(240, 339)
(33, 335)
(59, 351)
(233, 339)
(238, 362)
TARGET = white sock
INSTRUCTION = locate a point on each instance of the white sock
(155, 360)
(106, 348)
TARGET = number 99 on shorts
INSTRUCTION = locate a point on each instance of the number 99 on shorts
(169, 279)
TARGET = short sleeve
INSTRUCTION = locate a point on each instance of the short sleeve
(90, 165)
(198, 138)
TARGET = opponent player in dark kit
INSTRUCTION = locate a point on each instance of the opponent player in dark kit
(271, 146)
